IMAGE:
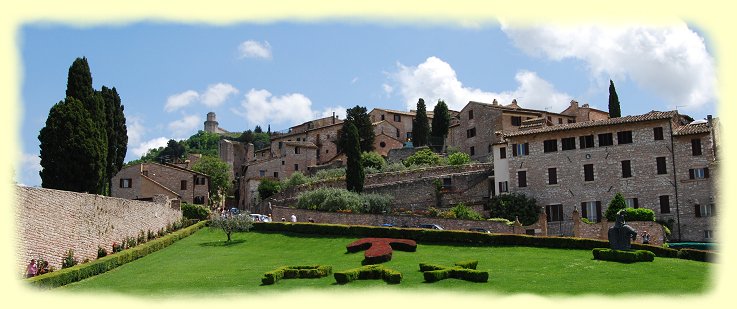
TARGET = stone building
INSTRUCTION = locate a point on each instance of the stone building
(472, 129)
(144, 180)
(656, 160)
(212, 126)
(401, 120)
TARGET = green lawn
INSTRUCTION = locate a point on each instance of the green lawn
(203, 263)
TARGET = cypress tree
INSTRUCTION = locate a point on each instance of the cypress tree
(355, 175)
(614, 109)
(420, 126)
(440, 120)
(360, 118)
(72, 158)
(79, 80)
(117, 132)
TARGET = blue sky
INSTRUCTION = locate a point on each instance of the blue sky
(169, 75)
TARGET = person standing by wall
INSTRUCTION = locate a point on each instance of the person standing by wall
(294, 218)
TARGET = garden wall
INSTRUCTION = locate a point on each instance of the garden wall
(50, 222)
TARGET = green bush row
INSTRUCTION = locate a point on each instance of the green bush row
(368, 272)
(623, 256)
(697, 255)
(101, 265)
(452, 236)
(299, 272)
(338, 199)
(638, 214)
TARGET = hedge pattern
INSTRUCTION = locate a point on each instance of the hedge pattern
(623, 256)
(452, 236)
(296, 272)
(101, 265)
(465, 270)
(379, 250)
(368, 272)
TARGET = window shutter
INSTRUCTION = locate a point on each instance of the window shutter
(598, 211)
(697, 210)
(500, 187)
(706, 172)
(547, 212)
(514, 150)
(691, 174)
(637, 205)
(581, 142)
(583, 210)
(527, 149)
(121, 182)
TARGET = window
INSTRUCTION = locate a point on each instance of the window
(664, 204)
(550, 145)
(503, 186)
(708, 234)
(554, 212)
(552, 175)
(282, 162)
(660, 161)
(470, 132)
(632, 203)
(145, 173)
(520, 149)
(397, 118)
(588, 172)
(522, 178)
(470, 114)
(624, 137)
(382, 144)
(199, 180)
(183, 185)
(560, 120)
(296, 150)
(605, 139)
(199, 199)
(126, 182)
(626, 169)
(488, 149)
(591, 210)
(262, 173)
(516, 121)
(586, 141)
(447, 182)
(696, 147)
(503, 152)
(276, 174)
(280, 145)
(550, 119)
(568, 143)
(473, 151)
(296, 167)
(704, 210)
(571, 121)
(698, 173)
(382, 117)
(658, 133)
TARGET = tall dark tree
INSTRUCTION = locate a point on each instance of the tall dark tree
(79, 80)
(360, 118)
(117, 132)
(354, 174)
(173, 150)
(72, 157)
(258, 129)
(614, 109)
(420, 125)
(440, 121)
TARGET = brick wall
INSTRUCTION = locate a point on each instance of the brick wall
(50, 222)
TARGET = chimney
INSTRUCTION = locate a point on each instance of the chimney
(574, 104)
(333, 117)
(494, 102)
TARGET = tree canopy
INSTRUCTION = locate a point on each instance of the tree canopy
(440, 123)
(361, 120)
(220, 176)
(512, 206)
(420, 125)
(614, 109)
(355, 174)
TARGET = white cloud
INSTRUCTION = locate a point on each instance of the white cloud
(260, 107)
(671, 62)
(180, 100)
(354, 80)
(216, 94)
(135, 129)
(435, 79)
(254, 49)
(388, 89)
(186, 124)
(29, 166)
(142, 148)
(30, 162)
(339, 111)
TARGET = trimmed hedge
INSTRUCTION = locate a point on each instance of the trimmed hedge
(465, 270)
(368, 272)
(192, 211)
(101, 265)
(697, 255)
(623, 256)
(296, 272)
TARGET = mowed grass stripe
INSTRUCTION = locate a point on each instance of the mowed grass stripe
(203, 263)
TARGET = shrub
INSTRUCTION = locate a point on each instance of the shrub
(329, 174)
(615, 205)
(101, 252)
(232, 223)
(117, 247)
(141, 237)
(465, 270)
(471, 264)
(394, 167)
(192, 211)
(372, 160)
(377, 203)
(296, 179)
(292, 272)
(83, 271)
(130, 242)
(42, 267)
(368, 272)
(639, 214)
(696, 255)
(268, 187)
(423, 157)
(459, 158)
(514, 205)
(68, 260)
(623, 256)
(336, 199)
(461, 211)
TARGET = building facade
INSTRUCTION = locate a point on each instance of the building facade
(144, 180)
(655, 160)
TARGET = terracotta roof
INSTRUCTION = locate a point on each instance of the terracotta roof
(653, 115)
(692, 128)
(396, 111)
(516, 108)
